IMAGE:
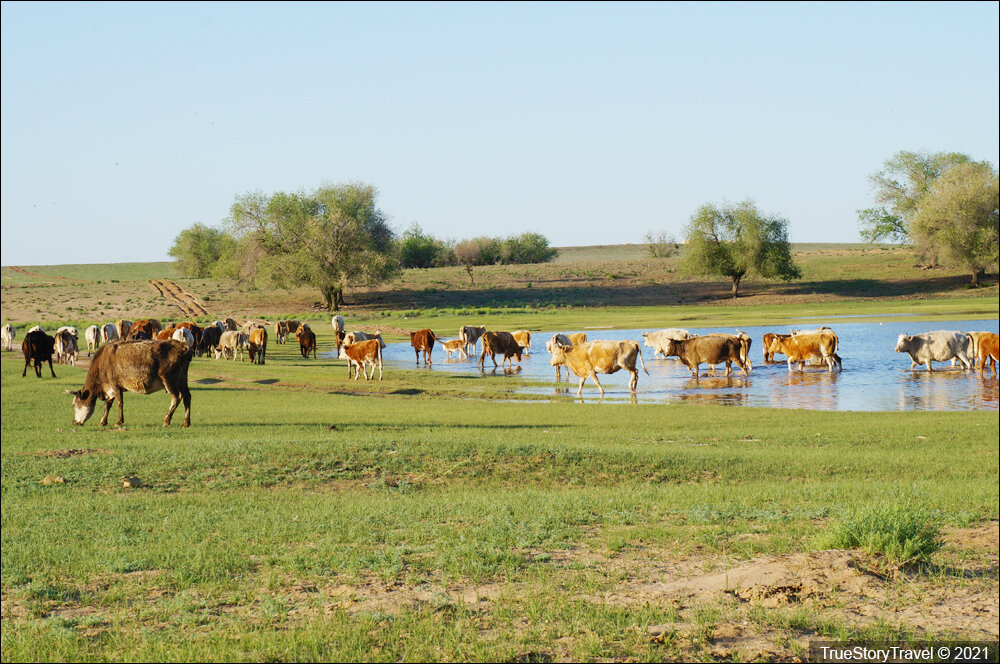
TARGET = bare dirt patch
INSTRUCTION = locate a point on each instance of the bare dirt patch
(189, 304)
(66, 454)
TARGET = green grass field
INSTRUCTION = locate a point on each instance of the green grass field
(432, 517)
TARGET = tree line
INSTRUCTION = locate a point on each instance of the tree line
(329, 239)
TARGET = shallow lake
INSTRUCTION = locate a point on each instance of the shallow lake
(875, 378)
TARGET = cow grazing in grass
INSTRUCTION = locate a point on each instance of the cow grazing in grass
(231, 341)
(307, 341)
(257, 345)
(502, 343)
(360, 355)
(93, 336)
(469, 335)
(423, 340)
(658, 340)
(8, 333)
(591, 358)
(708, 350)
(938, 346)
(38, 347)
(143, 367)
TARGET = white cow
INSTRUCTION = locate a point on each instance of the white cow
(66, 348)
(7, 333)
(109, 333)
(93, 336)
(658, 340)
(355, 337)
(938, 346)
(230, 342)
(185, 335)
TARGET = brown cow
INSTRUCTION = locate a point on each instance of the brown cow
(307, 341)
(257, 345)
(799, 348)
(232, 325)
(144, 329)
(143, 367)
(38, 347)
(360, 355)
(710, 349)
(986, 351)
(194, 328)
(594, 357)
(423, 340)
(284, 329)
(165, 333)
(500, 342)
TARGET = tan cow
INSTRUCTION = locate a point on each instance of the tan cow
(360, 355)
(257, 345)
(800, 348)
(591, 358)
(523, 339)
(123, 327)
(454, 346)
(986, 351)
(470, 334)
(567, 341)
(709, 349)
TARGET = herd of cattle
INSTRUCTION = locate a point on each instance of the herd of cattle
(145, 357)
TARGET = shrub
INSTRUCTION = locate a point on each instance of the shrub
(902, 532)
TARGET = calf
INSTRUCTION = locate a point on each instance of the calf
(7, 333)
(708, 349)
(986, 351)
(423, 340)
(307, 341)
(360, 355)
(93, 336)
(469, 335)
(38, 347)
(143, 367)
(257, 345)
(454, 346)
(503, 343)
(939, 346)
(589, 359)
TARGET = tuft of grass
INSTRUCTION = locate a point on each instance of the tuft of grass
(904, 533)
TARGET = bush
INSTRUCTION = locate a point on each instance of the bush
(417, 249)
(903, 533)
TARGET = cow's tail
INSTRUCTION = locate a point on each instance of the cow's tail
(434, 337)
(641, 363)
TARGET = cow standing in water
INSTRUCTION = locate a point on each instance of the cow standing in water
(143, 367)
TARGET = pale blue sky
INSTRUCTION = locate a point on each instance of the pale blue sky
(123, 124)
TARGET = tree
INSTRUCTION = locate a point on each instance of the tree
(328, 239)
(660, 245)
(526, 248)
(198, 250)
(737, 241)
(478, 251)
(417, 249)
(958, 216)
(904, 180)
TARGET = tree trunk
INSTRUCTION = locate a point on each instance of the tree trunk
(468, 268)
(736, 286)
(975, 276)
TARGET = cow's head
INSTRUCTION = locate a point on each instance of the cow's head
(519, 353)
(558, 356)
(83, 405)
(902, 343)
(343, 352)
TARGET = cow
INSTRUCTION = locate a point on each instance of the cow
(283, 329)
(986, 351)
(360, 355)
(183, 334)
(567, 341)
(307, 341)
(588, 359)
(938, 346)
(743, 339)
(66, 348)
(523, 338)
(8, 333)
(709, 349)
(165, 333)
(500, 342)
(423, 340)
(252, 325)
(339, 330)
(801, 347)
(768, 341)
(109, 333)
(231, 325)
(144, 330)
(355, 337)
(469, 335)
(143, 367)
(257, 345)
(123, 327)
(454, 346)
(658, 340)
(38, 347)
(34, 328)
(231, 341)
(209, 339)
(93, 336)
(195, 330)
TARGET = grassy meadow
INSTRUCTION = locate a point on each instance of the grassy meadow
(431, 517)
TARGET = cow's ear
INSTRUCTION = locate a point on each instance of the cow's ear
(70, 392)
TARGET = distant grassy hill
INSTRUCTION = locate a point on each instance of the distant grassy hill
(595, 276)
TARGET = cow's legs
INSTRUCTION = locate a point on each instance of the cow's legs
(598, 383)
(416, 352)
(579, 391)
(729, 367)
(107, 409)
(634, 381)
(120, 398)
(27, 361)
(929, 366)
(967, 364)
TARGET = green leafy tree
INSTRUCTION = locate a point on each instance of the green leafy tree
(198, 249)
(328, 239)
(526, 248)
(958, 217)
(736, 241)
(660, 245)
(418, 249)
(899, 187)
